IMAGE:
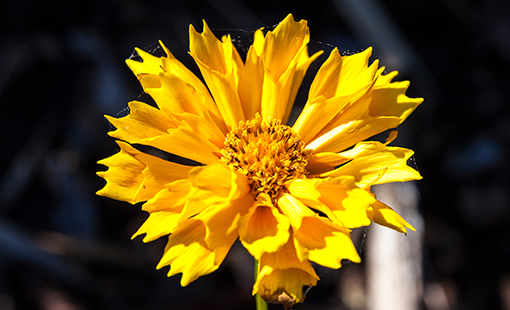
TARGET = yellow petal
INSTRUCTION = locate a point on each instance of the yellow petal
(305, 190)
(152, 68)
(391, 137)
(164, 208)
(382, 214)
(390, 100)
(171, 198)
(225, 94)
(285, 59)
(316, 114)
(384, 79)
(250, 86)
(324, 242)
(351, 132)
(294, 209)
(275, 95)
(158, 224)
(219, 197)
(282, 45)
(204, 126)
(134, 176)
(221, 220)
(150, 64)
(175, 96)
(384, 107)
(375, 163)
(263, 229)
(341, 76)
(258, 42)
(220, 179)
(338, 198)
(214, 186)
(283, 286)
(323, 162)
(339, 246)
(278, 95)
(340, 81)
(282, 276)
(185, 142)
(285, 258)
(354, 202)
(150, 126)
(143, 122)
(187, 253)
(220, 66)
(303, 62)
(170, 93)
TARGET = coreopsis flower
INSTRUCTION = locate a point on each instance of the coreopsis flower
(290, 194)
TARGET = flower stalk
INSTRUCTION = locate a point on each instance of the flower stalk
(261, 304)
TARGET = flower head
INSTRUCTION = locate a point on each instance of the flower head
(290, 194)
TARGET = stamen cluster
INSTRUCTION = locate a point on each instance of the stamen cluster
(268, 152)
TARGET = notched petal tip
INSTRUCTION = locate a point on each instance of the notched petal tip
(391, 137)
(382, 214)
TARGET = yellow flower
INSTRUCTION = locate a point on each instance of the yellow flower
(290, 194)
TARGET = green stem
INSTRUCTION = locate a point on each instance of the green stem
(261, 304)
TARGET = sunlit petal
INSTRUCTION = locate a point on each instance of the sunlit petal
(220, 65)
(383, 215)
(375, 163)
(134, 176)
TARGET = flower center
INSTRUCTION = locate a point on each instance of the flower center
(268, 152)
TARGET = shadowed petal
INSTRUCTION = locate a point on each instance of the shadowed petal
(339, 198)
(263, 229)
(186, 252)
(324, 162)
(294, 209)
(324, 242)
(217, 189)
(158, 224)
(164, 208)
(282, 276)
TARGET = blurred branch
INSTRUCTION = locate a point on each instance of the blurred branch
(25, 163)
(17, 246)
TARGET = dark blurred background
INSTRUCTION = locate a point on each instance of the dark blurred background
(62, 68)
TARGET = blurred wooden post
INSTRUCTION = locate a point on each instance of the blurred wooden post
(393, 260)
